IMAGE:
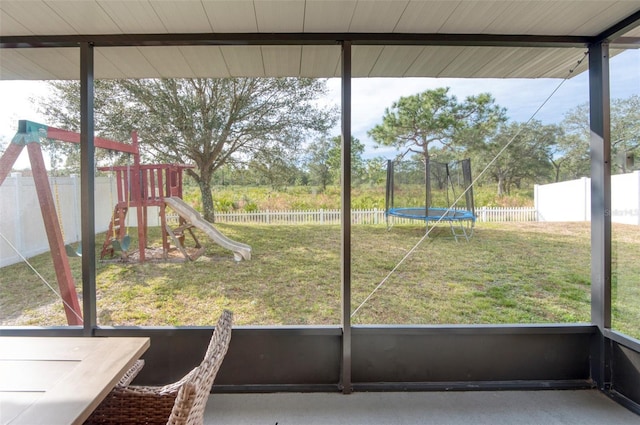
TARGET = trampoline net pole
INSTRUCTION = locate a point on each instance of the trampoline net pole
(466, 173)
(427, 181)
(388, 201)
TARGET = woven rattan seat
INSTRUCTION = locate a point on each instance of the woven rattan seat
(182, 402)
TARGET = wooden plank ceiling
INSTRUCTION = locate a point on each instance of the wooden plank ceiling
(106, 17)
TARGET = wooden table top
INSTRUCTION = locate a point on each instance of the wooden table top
(60, 380)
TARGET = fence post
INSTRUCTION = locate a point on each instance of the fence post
(321, 216)
(536, 187)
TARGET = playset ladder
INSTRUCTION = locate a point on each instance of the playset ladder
(118, 228)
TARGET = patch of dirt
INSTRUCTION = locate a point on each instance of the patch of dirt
(156, 254)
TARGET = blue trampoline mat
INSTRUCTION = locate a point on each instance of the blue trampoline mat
(432, 214)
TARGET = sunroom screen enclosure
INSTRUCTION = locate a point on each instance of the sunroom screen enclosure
(350, 39)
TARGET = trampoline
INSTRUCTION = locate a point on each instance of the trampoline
(409, 182)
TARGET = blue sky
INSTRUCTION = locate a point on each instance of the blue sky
(371, 96)
(521, 97)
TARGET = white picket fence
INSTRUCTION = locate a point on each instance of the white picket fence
(499, 214)
(374, 216)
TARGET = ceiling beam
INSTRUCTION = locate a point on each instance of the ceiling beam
(241, 39)
(626, 43)
(619, 29)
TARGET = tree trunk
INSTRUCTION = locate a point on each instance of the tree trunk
(207, 200)
(556, 167)
(501, 186)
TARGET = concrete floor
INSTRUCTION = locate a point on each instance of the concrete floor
(583, 407)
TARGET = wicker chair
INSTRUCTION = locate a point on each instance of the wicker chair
(182, 402)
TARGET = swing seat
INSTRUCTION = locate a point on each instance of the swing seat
(115, 244)
(125, 242)
(73, 252)
(122, 245)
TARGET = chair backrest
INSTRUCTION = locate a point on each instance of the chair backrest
(202, 377)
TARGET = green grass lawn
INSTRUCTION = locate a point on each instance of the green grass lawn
(507, 273)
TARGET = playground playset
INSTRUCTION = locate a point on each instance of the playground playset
(137, 186)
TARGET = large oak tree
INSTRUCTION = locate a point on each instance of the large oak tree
(204, 122)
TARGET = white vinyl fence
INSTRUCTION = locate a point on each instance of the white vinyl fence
(571, 200)
(21, 219)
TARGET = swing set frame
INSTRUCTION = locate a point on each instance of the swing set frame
(30, 135)
(138, 186)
